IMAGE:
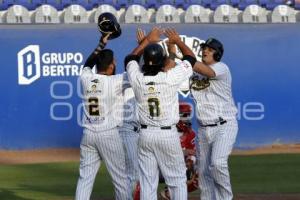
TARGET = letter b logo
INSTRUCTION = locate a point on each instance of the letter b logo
(29, 64)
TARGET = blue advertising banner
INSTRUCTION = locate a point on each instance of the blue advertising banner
(40, 100)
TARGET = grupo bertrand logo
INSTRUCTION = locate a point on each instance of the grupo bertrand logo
(33, 64)
(29, 64)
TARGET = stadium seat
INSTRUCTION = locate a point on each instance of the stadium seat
(136, 14)
(17, 14)
(283, 14)
(56, 4)
(75, 14)
(104, 8)
(167, 14)
(45, 14)
(255, 14)
(197, 14)
(226, 14)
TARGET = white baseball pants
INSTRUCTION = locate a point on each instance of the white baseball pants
(160, 149)
(102, 146)
(215, 145)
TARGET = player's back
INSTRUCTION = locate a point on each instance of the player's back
(157, 100)
(102, 100)
(156, 96)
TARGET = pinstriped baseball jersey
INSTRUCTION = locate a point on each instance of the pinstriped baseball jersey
(103, 101)
(157, 98)
(130, 117)
(214, 99)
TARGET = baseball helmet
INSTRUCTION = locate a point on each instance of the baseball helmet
(107, 23)
(185, 109)
(154, 57)
(216, 45)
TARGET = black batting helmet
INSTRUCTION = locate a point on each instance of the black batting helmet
(216, 45)
(107, 23)
(154, 58)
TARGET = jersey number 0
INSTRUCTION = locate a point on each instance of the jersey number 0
(154, 108)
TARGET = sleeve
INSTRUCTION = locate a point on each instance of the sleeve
(86, 72)
(133, 70)
(220, 69)
(181, 72)
(85, 76)
(130, 58)
(192, 60)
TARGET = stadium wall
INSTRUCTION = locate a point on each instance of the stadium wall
(40, 103)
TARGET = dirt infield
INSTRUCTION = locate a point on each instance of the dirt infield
(63, 155)
(272, 149)
(39, 156)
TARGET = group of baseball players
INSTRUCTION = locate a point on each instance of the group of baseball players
(132, 121)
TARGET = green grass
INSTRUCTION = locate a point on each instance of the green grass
(57, 181)
(266, 173)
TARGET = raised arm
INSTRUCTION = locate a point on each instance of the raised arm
(153, 36)
(170, 61)
(91, 60)
(186, 51)
(204, 69)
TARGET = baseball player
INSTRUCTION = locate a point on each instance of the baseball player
(102, 107)
(216, 114)
(157, 105)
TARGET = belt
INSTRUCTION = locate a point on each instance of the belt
(143, 126)
(216, 124)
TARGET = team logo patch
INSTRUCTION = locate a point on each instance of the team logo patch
(94, 87)
(151, 89)
(199, 84)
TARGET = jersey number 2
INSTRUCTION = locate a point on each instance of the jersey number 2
(154, 109)
(94, 106)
